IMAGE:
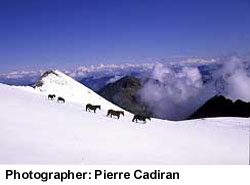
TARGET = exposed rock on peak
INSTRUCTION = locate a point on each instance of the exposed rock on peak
(48, 72)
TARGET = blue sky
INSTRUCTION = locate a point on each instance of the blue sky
(64, 33)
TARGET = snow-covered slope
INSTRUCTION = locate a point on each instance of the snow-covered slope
(34, 130)
(55, 82)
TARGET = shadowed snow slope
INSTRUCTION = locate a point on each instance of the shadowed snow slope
(34, 130)
(55, 82)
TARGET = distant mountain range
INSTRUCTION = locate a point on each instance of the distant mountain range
(121, 85)
(124, 92)
(93, 76)
(96, 77)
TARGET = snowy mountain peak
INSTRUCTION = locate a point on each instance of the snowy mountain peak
(56, 82)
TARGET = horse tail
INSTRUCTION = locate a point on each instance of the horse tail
(108, 113)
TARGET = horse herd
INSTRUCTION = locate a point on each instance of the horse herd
(110, 113)
(59, 99)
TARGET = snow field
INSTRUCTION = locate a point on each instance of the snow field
(37, 131)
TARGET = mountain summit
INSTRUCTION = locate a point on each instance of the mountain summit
(220, 106)
(56, 82)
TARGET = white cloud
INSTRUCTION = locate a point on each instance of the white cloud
(173, 97)
(237, 79)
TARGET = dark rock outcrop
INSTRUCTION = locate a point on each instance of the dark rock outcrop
(39, 83)
(219, 106)
(124, 93)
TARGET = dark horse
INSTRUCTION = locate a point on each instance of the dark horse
(115, 113)
(51, 96)
(141, 118)
(60, 100)
(92, 107)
